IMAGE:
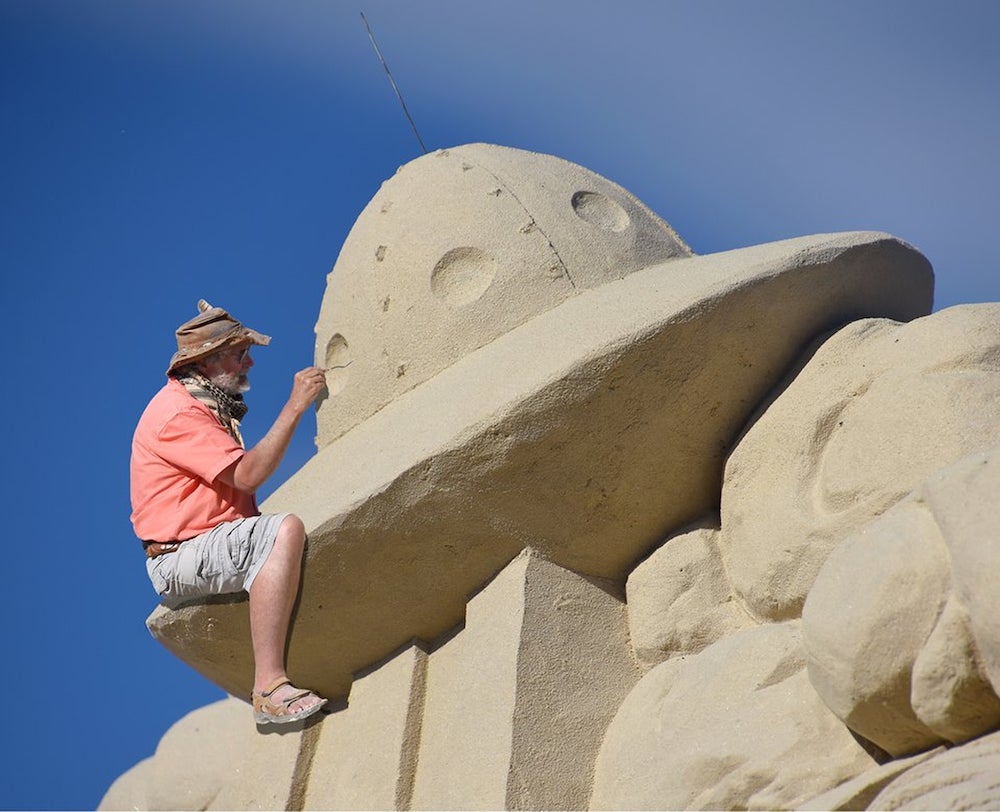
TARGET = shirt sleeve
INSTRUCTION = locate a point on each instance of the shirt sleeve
(195, 441)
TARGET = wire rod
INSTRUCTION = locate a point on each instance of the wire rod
(392, 81)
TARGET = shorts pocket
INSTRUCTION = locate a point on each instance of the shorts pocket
(159, 582)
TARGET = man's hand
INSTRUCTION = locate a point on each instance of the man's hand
(306, 386)
(253, 468)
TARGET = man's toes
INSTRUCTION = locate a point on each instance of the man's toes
(305, 702)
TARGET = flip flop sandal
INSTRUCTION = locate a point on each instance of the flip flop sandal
(278, 713)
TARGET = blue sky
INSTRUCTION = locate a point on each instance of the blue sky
(157, 152)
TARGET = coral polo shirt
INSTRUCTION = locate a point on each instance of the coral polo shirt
(178, 450)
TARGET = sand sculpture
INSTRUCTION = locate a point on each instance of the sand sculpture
(598, 523)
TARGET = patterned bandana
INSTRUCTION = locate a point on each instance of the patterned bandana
(230, 409)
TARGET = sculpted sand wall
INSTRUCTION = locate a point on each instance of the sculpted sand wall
(878, 407)
(853, 491)
(733, 514)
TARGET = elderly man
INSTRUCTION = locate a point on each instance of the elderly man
(193, 502)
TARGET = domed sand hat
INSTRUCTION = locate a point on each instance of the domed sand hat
(212, 329)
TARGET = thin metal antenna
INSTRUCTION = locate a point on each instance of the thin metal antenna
(392, 81)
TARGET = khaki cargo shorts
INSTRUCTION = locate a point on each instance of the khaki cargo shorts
(223, 560)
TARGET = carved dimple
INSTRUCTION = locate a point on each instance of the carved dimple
(338, 362)
(462, 275)
(600, 211)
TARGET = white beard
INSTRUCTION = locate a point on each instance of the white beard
(232, 383)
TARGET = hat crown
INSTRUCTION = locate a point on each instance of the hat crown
(210, 326)
(212, 329)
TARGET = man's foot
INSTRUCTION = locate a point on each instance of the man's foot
(281, 702)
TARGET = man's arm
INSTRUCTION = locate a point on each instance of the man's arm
(251, 470)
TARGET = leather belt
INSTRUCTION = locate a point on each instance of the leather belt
(155, 548)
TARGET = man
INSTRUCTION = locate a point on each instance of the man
(193, 501)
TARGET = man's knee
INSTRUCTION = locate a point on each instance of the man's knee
(292, 531)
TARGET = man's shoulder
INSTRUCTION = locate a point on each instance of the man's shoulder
(170, 401)
(172, 395)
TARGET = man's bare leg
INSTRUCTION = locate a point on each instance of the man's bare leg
(272, 597)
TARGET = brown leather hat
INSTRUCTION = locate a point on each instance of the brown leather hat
(212, 329)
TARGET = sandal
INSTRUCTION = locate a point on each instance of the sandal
(278, 713)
